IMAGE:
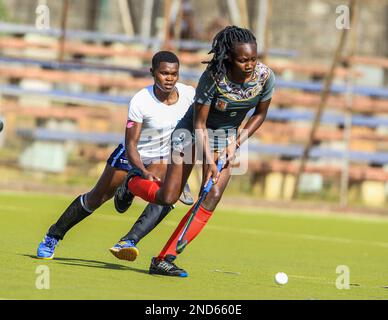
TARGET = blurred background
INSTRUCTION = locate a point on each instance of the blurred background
(69, 68)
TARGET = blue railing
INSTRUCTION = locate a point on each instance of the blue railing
(9, 28)
(296, 151)
(274, 114)
(290, 151)
(307, 86)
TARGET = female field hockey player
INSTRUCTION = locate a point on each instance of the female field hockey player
(152, 115)
(233, 83)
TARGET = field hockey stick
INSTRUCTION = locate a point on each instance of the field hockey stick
(181, 244)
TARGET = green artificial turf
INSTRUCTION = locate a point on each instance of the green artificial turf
(235, 257)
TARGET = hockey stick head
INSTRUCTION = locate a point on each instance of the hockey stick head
(180, 246)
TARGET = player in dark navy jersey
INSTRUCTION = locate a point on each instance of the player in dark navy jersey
(233, 83)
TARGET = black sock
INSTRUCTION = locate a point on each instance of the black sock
(74, 213)
(149, 219)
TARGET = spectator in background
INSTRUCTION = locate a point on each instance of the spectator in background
(189, 27)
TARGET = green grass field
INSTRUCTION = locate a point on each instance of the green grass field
(235, 257)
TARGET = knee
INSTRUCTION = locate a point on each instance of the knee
(93, 201)
(168, 199)
(215, 193)
(212, 199)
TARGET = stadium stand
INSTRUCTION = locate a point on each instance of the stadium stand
(61, 101)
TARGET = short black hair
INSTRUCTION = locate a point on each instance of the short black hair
(164, 56)
(223, 46)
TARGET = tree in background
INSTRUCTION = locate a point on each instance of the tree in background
(3, 12)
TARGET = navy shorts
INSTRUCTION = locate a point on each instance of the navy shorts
(118, 159)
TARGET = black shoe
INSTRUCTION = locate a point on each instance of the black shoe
(186, 196)
(166, 267)
(123, 198)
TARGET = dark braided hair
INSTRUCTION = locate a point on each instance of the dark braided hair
(223, 46)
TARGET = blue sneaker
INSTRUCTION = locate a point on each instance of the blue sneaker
(46, 248)
(123, 198)
(125, 250)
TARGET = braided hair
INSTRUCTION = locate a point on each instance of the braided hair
(223, 46)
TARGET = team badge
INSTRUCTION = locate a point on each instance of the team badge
(221, 105)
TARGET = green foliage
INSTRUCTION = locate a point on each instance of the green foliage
(3, 11)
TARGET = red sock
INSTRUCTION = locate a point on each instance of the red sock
(200, 219)
(144, 189)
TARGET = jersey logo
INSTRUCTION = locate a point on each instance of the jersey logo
(233, 114)
(221, 105)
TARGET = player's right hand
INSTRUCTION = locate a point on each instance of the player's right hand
(150, 176)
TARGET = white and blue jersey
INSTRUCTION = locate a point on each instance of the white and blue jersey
(158, 122)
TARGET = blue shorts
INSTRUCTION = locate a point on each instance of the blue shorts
(118, 159)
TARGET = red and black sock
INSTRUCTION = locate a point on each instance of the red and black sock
(144, 189)
(199, 221)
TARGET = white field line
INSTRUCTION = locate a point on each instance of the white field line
(14, 208)
(310, 214)
(303, 236)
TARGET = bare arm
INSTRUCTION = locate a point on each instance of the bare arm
(201, 113)
(254, 122)
(132, 136)
(252, 125)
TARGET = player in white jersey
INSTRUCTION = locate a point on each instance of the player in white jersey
(152, 116)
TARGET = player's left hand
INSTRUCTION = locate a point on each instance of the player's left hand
(212, 172)
(228, 154)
